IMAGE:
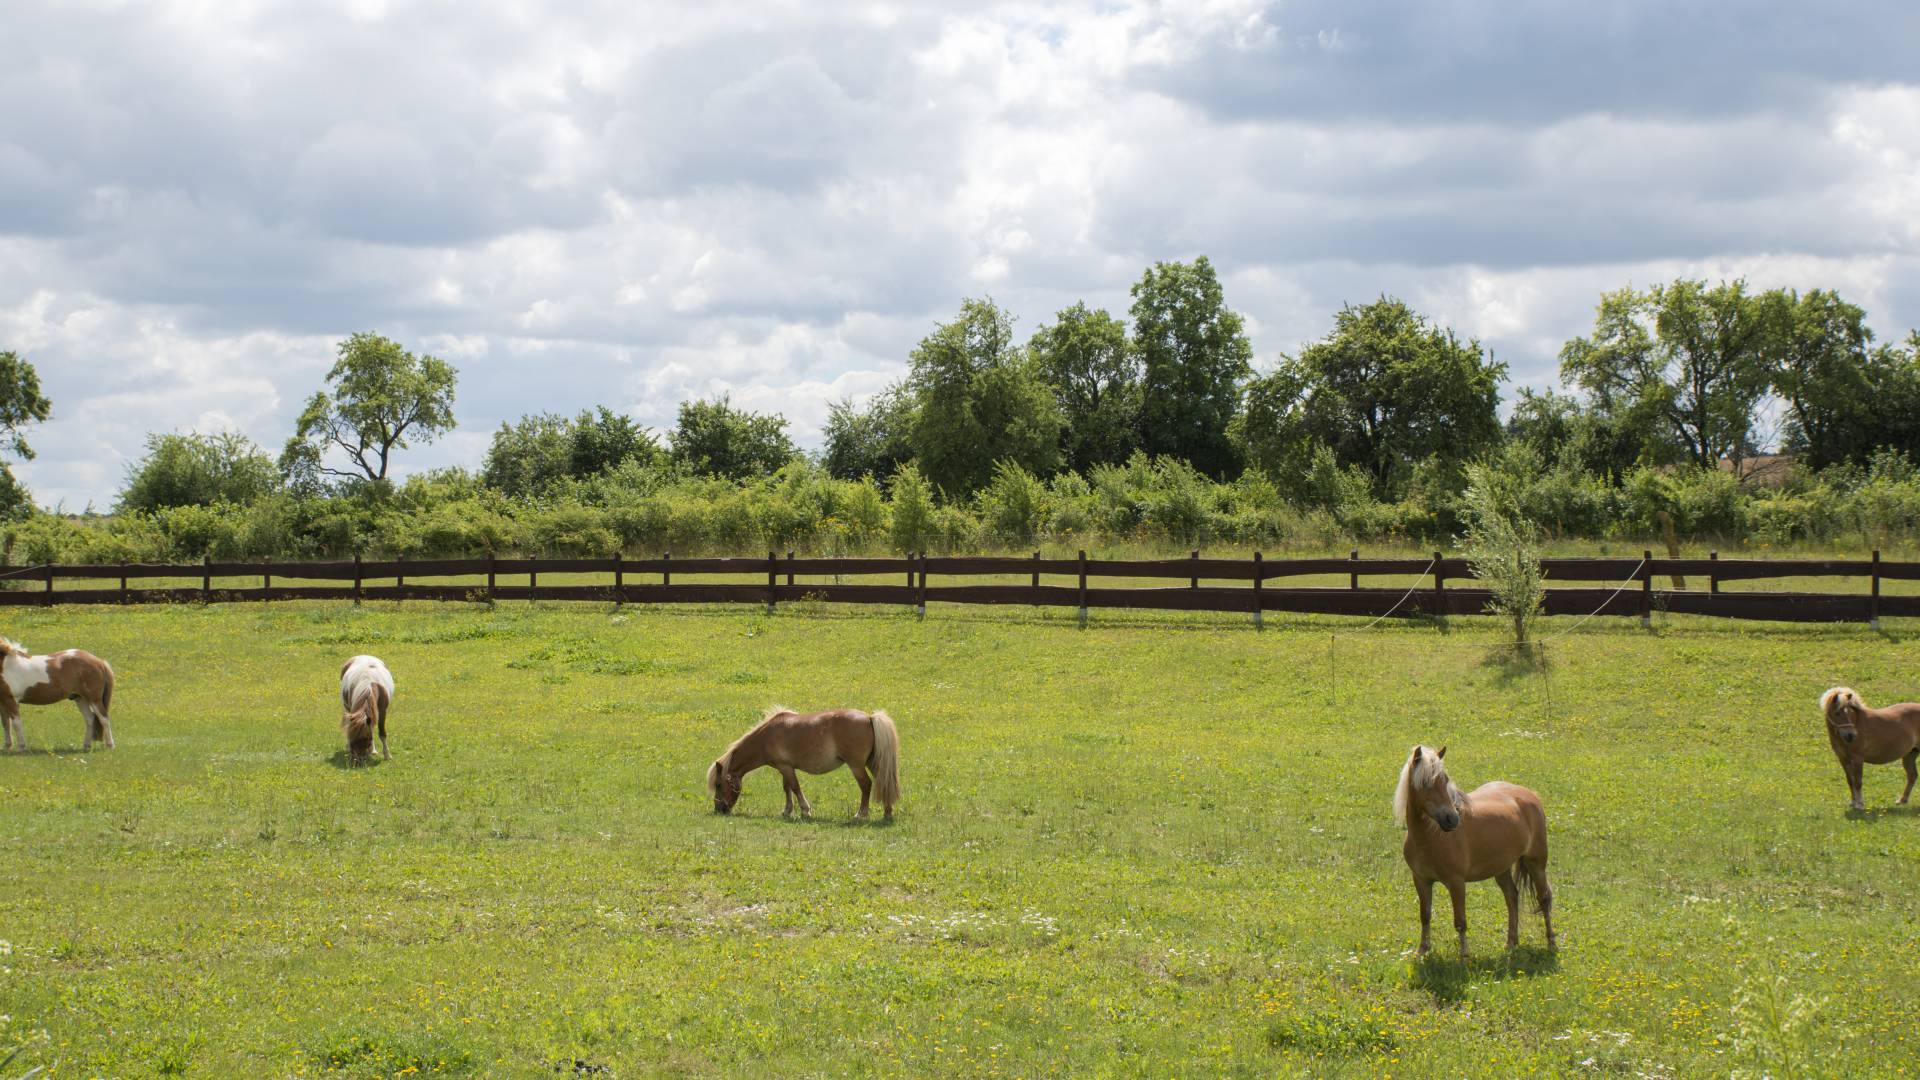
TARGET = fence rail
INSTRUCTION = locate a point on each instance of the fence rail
(775, 579)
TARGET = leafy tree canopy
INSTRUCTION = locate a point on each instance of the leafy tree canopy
(1194, 358)
(198, 470)
(377, 397)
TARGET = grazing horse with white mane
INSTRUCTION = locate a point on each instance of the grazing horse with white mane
(1454, 838)
(816, 743)
(1861, 736)
(366, 689)
(81, 677)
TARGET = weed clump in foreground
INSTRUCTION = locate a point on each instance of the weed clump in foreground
(370, 1056)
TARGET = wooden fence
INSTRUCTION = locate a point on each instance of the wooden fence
(1199, 584)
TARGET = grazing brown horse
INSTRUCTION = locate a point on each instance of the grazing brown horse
(815, 743)
(366, 689)
(1861, 736)
(73, 675)
(1496, 832)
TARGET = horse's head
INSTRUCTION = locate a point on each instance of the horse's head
(1424, 783)
(1843, 709)
(723, 785)
(359, 729)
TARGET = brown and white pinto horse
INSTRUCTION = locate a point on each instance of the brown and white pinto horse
(1861, 736)
(815, 743)
(1496, 832)
(76, 676)
(366, 689)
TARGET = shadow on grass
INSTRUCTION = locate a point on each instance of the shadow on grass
(818, 821)
(1447, 980)
(1874, 815)
(1510, 662)
(339, 760)
(52, 751)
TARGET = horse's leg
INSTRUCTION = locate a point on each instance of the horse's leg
(1512, 892)
(86, 723)
(806, 808)
(106, 723)
(1457, 891)
(1543, 895)
(1912, 772)
(1854, 781)
(6, 726)
(384, 756)
(17, 739)
(860, 777)
(791, 785)
(1424, 886)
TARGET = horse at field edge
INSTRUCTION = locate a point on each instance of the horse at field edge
(1495, 832)
(73, 675)
(815, 743)
(1861, 736)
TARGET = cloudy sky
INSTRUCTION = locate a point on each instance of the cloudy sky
(632, 204)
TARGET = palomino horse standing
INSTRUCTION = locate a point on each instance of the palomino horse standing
(44, 680)
(1452, 838)
(1861, 736)
(366, 689)
(815, 743)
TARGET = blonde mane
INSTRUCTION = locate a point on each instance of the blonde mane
(1826, 699)
(766, 717)
(1430, 764)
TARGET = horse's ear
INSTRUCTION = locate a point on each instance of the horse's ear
(1442, 754)
(1416, 753)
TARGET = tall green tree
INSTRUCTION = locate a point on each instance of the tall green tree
(1084, 355)
(872, 441)
(1385, 391)
(540, 451)
(979, 400)
(1686, 363)
(1195, 356)
(1832, 379)
(198, 470)
(21, 405)
(715, 439)
(378, 397)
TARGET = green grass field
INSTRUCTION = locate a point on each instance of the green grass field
(1158, 846)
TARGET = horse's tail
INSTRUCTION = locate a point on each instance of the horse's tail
(1533, 882)
(886, 760)
(106, 692)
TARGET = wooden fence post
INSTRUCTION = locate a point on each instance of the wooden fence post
(1646, 589)
(1036, 575)
(266, 575)
(773, 568)
(533, 575)
(206, 579)
(789, 566)
(920, 605)
(666, 571)
(1873, 599)
(1259, 582)
(400, 578)
(1194, 581)
(1353, 579)
(47, 596)
(124, 598)
(1439, 589)
(493, 574)
(619, 577)
(356, 579)
(1083, 587)
(1713, 576)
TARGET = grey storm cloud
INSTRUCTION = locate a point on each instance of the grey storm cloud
(602, 204)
